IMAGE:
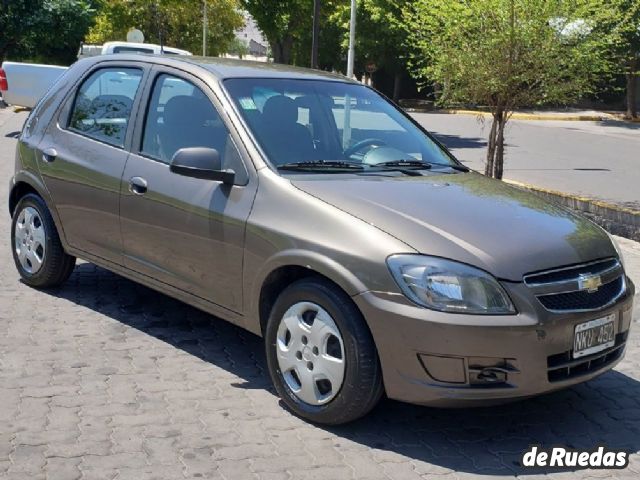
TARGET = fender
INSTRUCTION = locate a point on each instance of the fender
(35, 182)
(311, 260)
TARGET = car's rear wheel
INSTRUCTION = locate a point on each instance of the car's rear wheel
(37, 250)
(320, 354)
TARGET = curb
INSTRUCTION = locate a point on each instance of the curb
(523, 116)
(534, 116)
(616, 219)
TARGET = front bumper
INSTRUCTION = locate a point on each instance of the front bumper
(444, 359)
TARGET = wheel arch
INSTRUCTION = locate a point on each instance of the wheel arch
(25, 183)
(287, 268)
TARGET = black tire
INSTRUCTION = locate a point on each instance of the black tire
(57, 265)
(362, 386)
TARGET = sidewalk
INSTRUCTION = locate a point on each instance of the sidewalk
(564, 114)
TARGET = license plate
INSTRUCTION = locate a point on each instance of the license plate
(594, 336)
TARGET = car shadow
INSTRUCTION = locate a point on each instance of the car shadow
(483, 441)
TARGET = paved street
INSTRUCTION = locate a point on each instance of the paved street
(593, 159)
(104, 379)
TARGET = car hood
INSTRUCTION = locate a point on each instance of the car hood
(467, 217)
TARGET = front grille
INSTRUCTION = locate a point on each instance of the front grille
(583, 299)
(585, 287)
(570, 273)
(562, 367)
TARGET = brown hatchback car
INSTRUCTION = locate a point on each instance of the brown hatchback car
(310, 210)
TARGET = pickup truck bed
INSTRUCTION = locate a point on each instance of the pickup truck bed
(28, 82)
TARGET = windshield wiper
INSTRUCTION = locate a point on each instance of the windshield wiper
(321, 164)
(403, 163)
(453, 166)
(408, 167)
(422, 164)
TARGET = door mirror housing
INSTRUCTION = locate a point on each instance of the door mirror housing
(201, 162)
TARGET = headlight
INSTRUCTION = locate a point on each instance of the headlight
(618, 249)
(449, 286)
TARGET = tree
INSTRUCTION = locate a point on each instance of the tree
(16, 19)
(285, 23)
(622, 19)
(380, 35)
(179, 22)
(44, 30)
(238, 47)
(506, 54)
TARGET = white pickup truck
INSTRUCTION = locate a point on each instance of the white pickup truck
(23, 84)
(128, 47)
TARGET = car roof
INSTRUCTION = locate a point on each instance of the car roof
(224, 68)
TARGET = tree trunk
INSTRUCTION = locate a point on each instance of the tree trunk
(491, 147)
(281, 50)
(397, 84)
(498, 163)
(632, 87)
(495, 148)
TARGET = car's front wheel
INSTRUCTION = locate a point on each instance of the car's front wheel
(37, 250)
(320, 354)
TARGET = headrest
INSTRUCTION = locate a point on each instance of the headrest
(186, 110)
(280, 109)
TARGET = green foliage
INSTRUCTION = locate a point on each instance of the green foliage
(620, 20)
(179, 21)
(285, 23)
(380, 34)
(238, 47)
(506, 53)
(44, 30)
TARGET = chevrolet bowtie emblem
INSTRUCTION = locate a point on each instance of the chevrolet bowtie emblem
(589, 282)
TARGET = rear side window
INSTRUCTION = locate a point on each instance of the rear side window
(103, 104)
(179, 116)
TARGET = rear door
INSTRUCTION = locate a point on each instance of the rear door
(186, 232)
(83, 154)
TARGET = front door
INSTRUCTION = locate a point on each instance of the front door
(83, 154)
(186, 232)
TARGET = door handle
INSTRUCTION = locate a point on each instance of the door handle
(49, 154)
(138, 185)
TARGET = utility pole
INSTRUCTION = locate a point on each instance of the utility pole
(352, 40)
(346, 129)
(316, 33)
(205, 26)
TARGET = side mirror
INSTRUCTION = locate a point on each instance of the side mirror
(201, 162)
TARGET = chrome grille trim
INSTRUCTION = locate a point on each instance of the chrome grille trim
(565, 286)
(609, 270)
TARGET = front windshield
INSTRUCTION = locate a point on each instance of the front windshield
(323, 121)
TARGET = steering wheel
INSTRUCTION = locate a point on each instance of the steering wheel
(367, 142)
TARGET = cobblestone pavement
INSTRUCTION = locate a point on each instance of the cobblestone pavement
(105, 379)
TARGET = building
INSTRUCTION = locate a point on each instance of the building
(253, 38)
